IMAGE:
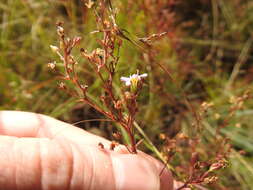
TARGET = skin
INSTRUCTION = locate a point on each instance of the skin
(42, 153)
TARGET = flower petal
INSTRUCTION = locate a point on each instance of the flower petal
(143, 75)
(128, 83)
(125, 79)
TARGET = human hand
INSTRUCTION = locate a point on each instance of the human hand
(39, 152)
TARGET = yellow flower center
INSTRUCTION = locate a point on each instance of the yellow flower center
(134, 81)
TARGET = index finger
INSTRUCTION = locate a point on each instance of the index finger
(26, 124)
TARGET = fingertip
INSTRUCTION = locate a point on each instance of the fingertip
(166, 179)
(134, 172)
(28, 124)
(19, 124)
(165, 175)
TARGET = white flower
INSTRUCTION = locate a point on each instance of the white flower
(133, 79)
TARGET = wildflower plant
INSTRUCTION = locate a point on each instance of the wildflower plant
(119, 108)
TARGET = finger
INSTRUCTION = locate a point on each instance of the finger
(165, 175)
(25, 124)
(140, 172)
(29, 163)
(41, 163)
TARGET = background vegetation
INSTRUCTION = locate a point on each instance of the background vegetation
(207, 50)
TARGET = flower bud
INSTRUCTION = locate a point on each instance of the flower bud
(55, 49)
(51, 65)
(60, 31)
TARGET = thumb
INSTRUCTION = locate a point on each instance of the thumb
(140, 172)
(57, 166)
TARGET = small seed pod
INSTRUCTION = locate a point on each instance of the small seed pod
(62, 86)
(52, 65)
(118, 104)
(117, 135)
(55, 49)
(113, 145)
(101, 145)
(60, 31)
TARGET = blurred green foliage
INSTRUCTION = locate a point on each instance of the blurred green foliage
(208, 51)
